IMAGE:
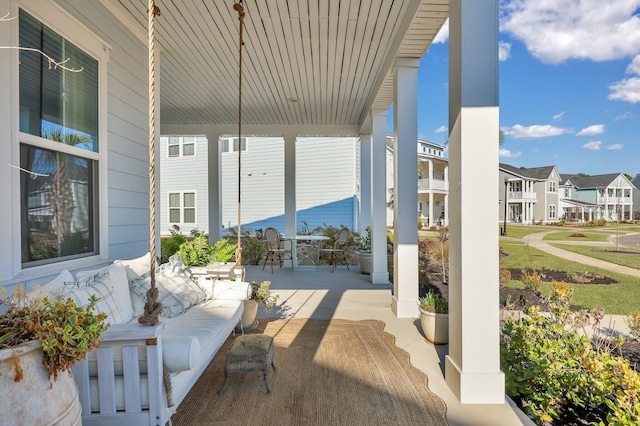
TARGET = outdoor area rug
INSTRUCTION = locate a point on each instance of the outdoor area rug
(334, 372)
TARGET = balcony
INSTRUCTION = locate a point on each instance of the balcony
(433, 185)
(514, 196)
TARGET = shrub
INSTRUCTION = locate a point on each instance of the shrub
(505, 276)
(633, 321)
(432, 302)
(170, 245)
(550, 367)
(531, 280)
(198, 252)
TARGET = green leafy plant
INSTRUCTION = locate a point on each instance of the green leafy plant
(363, 242)
(261, 292)
(549, 366)
(198, 252)
(65, 330)
(170, 245)
(432, 302)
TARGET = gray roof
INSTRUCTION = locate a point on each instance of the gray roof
(597, 181)
(539, 173)
(636, 181)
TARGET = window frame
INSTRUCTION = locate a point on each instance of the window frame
(227, 145)
(553, 186)
(65, 25)
(182, 207)
(553, 211)
(180, 143)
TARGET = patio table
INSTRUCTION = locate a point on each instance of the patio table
(312, 252)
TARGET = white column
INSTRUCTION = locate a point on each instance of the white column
(379, 271)
(214, 189)
(405, 206)
(290, 213)
(472, 368)
(446, 197)
(430, 193)
(365, 183)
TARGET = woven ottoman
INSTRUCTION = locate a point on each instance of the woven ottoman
(251, 352)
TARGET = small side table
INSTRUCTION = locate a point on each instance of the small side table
(251, 352)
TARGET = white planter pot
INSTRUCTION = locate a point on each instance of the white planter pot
(364, 258)
(435, 327)
(35, 400)
(248, 320)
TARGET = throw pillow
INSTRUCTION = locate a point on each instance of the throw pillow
(55, 287)
(100, 285)
(176, 291)
(118, 277)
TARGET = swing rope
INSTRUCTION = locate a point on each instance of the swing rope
(152, 307)
(238, 7)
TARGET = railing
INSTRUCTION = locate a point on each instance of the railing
(522, 195)
(437, 184)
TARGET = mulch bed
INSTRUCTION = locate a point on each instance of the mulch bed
(548, 275)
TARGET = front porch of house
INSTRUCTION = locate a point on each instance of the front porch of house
(307, 292)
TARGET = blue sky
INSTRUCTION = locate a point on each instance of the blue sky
(569, 85)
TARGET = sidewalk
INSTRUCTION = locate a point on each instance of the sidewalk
(535, 240)
(610, 321)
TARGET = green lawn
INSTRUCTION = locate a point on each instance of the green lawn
(630, 260)
(520, 231)
(620, 298)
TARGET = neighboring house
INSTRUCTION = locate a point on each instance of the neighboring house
(542, 195)
(608, 197)
(531, 194)
(325, 182)
(433, 183)
(636, 197)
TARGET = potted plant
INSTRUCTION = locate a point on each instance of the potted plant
(434, 317)
(260, 292)
(40, 340)
(363, 251)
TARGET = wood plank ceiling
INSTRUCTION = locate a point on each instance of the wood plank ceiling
(305, 62)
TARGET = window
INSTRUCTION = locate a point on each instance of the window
(552, 211)
(553, 186)
(182, 207)
(58, 145)
(567, 192)
(231, 145)
(180, 146)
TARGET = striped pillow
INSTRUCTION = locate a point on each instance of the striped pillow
(176, 290)
(99, 285)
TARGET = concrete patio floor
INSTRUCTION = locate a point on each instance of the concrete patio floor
(307, 292)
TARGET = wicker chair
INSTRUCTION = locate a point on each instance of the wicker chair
(342, 238)
(276, 248)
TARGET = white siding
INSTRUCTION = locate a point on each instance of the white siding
(184, 174)
(326, 173)
(124, 183)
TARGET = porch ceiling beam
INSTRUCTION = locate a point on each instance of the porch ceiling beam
(260, 129)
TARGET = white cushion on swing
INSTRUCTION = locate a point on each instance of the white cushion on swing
(231, 290)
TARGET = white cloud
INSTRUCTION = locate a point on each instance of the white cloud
(504, 50)
(508, 154)
(623, 116)
(627, 90)
(557, 30)
(534, 132)
(614, 146)
(593, 145)
(596, 129)
(443, 34)
(441, 129)
(559, 116)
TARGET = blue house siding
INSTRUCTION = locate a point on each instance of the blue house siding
(325, 181)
